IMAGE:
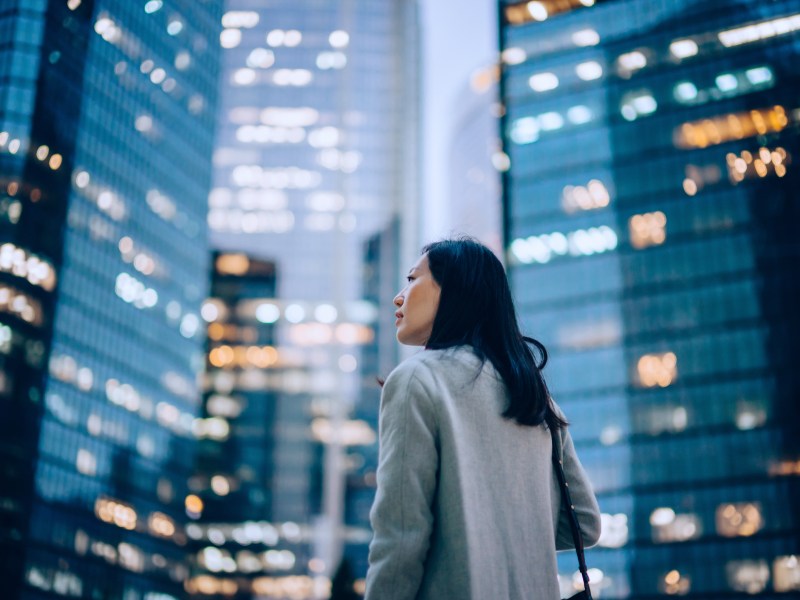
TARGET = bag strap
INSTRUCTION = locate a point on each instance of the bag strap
(566, 500)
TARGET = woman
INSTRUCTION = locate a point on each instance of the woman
(467, 506)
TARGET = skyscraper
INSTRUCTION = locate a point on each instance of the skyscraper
(106, 122)
(649, 214)
(316, 153)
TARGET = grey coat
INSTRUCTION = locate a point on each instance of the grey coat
(467, 506)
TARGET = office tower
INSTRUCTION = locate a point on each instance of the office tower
(316, 153)
(237, 550)
(650, 207)
(474, 194)
(106, 121)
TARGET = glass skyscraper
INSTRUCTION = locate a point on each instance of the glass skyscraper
(317, 132)
(651, 208)
(106, 123)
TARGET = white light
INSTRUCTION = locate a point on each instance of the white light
(189, 325)
(209, 312)
(662, 516)
(589, 70)
(294, 313)
(331, 60)
(727, 82)
(514, 56)
(230, 38)
(685, 91)
(348, 363)
(152, 6)
(645, 105)
(325, 313)
(585, 37)
(82, 179)
(633, 61)
(158, 75)
(525, 130)
(683, 48)
(759, 31)
(244, 76)
(143, 123)
(240, 18)
(261, 58)
(174, 27)
(578, 115)
(292, 38)
(339, 39)
(537, 10)
(276, 37)
(182, 60)
(542, 82)
(326, 137)
(759, 75)
(267, 313)
(551, 121)
(587, 2)
(290, 117)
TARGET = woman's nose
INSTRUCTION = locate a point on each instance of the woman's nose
(398, 300)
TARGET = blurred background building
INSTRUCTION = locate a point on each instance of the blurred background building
(650, 217)
(107, 113)
(316, 171)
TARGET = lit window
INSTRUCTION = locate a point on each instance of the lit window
(685, 91)
(550, 121)
(632, 61)
(153, 6)
(614, 530)
(683, 48)
(525, 130)
(230, 38)
(670, 527)
(244, 76)
(579, 115)
(514, 56)
(175, 27)
(727, 82)
(585, 37)
(648, 229)
(759, 31)
(749, 576)
(589, 70)
(261, 58)
(739, 519)
(537, 10)
(292, 38)
(786, 573)
(675, 583)
(542, 82)
(240, 18)
(759, 75)
(637, 105)
(276, 37)
(339, 39)
(657, 370)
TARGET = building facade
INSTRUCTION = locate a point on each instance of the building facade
(317, 132)
(106, 125)
(649, 218)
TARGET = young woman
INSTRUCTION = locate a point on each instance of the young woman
(468, 506)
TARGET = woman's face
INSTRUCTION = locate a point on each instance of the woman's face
(417, 304)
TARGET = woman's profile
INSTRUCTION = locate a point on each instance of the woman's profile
(467, 504)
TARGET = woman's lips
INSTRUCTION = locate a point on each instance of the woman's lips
(399, 316)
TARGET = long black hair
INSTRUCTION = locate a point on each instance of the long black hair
(476, 308)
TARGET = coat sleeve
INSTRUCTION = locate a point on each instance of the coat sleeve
(401, 515)
(580, 490)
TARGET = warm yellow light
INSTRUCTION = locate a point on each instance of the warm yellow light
(194, 504)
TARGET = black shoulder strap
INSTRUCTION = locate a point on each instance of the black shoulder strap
(566, 500)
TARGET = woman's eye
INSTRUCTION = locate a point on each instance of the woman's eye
(409, 279)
